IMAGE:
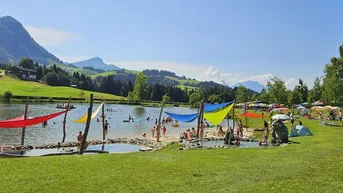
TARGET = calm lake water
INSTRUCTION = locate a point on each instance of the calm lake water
(53, 132)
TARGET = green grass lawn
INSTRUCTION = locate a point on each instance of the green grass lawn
(27, 88)
(315, 164)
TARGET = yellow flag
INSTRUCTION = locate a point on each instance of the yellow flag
(84, 118)
(219, 116)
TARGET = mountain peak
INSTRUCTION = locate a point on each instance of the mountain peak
(96, 59)
(97, 63)
(250, 84)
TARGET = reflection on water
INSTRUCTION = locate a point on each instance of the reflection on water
(112, 148)
(54, 131)
(138, 112)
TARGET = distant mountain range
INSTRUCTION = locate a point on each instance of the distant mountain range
(252, 85)
(16, 43)
(96, 63)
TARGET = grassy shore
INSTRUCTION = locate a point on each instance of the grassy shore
(314, 164)
(27, 88)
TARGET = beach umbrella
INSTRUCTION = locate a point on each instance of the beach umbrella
(281, 117)
(318, 108)
(328, 107)
(280, 109)
(335, 108)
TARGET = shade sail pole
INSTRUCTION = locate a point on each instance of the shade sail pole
(159, 123)
(65, 120)
(245, 114)
(199, 117)
(233, 115)
(103, 122)
(84, 139)
(25, 117)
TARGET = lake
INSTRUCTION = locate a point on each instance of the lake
(53, 133)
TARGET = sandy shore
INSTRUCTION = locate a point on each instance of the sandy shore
(209, 132)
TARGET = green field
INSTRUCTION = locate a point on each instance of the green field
(104, 74)
(188, 87)
(27, 88)
(313, 164)
(112, 72)
(131, 71)
(183, 82)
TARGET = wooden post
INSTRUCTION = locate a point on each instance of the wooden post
(103, 122)
(233, 115)
(84, 139)
(159, 123)
(103, 126)
(245, 114)
(199, 117)
(293, 110)
(25, 117)
(65, 120)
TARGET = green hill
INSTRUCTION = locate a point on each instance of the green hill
(26, 88)
(184, 81)
(16, 43)
(103, 74)
(71, 69)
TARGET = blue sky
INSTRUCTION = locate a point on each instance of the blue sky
(208, 40)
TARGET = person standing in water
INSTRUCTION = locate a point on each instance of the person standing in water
(164, 130)
(79, 138)
(202, 129)
(153, 131)
(107, 126)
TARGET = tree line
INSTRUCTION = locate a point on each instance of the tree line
(328, 88)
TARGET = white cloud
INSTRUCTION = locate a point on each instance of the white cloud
(213, 72)
(72, 59)
(262, 79)
(199, 72)
(189, 70)
(52, 37)
(291, 83)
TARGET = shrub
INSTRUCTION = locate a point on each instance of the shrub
(7, 96)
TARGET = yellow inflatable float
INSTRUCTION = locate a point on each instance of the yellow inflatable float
(175, 125)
